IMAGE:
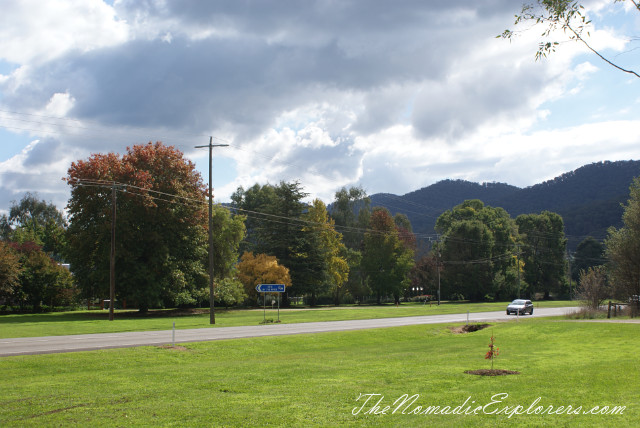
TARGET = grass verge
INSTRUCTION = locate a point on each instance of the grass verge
(87, 322)
(323, 379)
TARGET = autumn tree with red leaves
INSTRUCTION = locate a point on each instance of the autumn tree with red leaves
(493, 352)
(161, 227)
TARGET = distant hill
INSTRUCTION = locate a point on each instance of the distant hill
(424, 206)
(589, 199)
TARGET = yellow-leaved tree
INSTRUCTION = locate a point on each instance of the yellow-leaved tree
(261, 269)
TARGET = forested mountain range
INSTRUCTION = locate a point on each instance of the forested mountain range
(589, 199)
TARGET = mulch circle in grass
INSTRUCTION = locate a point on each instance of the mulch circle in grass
(174, 347)
(468, 328)
(491, 372)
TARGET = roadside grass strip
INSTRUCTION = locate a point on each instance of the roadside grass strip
(402, 376)
(96, 321)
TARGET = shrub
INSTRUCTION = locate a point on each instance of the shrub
(594, 287)
(586, 313)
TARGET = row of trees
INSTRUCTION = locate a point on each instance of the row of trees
(372, 257)
(161, 228)
(485, 254)
(269, 234)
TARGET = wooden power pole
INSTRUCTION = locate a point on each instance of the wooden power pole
(212, 315)
(112, 262)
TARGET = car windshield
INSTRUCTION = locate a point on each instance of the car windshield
(518, 302)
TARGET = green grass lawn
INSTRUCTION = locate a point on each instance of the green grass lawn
(315, 380)
(84, 322)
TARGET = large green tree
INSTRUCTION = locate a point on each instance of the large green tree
(478, 249)
(467, 254)
(544, 252)
(356, 286)
(42, 281)
(228, 232)
(386, 260)
(351, 212)
(35, 220)
(255, 203)
(623, 247)
(161, 233)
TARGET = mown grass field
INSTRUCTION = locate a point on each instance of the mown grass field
(86, 322)
(315, 380)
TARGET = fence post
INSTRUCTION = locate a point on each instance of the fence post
(609, 310)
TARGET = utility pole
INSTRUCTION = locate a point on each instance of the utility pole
(112, 263)
(438, 265)
(212, 315)
(518, 267)
(570, 286)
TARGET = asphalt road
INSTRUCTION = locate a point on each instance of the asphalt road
(88, 342)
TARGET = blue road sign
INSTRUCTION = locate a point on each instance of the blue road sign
(270, 288)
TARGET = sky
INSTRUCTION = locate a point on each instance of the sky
(388, 95)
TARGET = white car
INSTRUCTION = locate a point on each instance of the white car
(520, 307)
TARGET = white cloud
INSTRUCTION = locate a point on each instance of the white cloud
(37, 168)
(607, 38)
(59, 104)
(33, 31)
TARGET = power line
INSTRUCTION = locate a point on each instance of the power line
(275, 218)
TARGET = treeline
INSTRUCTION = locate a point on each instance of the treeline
(350, 252)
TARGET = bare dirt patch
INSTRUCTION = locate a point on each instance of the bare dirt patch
(469, 328)
(174, 347)
(492, 372)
